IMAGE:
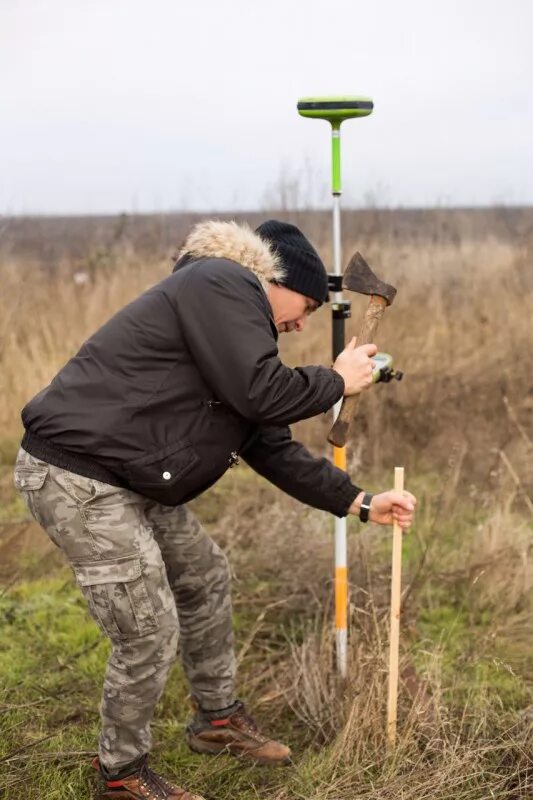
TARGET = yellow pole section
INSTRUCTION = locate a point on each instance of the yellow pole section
(339, 457)
(341, 599)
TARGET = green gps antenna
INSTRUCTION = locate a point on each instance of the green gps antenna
(335, 110)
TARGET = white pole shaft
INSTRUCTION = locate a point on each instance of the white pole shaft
(394, 649)
(337, 251)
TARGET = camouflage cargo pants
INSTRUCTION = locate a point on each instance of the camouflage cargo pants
(147, 571)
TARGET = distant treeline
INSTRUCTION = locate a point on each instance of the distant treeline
(57, 239)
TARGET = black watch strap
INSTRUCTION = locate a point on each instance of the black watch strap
(364, 510)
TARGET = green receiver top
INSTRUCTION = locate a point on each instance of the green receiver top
(335, 109)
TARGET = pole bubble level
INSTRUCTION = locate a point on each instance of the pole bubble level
(383, 369)
(335, 109)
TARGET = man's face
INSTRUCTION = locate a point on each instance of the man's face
(290, 309)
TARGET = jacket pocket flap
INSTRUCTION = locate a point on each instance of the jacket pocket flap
(163, 468)
(112, 570)
(30, 478)
(170, 449)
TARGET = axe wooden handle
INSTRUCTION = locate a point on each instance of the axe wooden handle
(340, 431)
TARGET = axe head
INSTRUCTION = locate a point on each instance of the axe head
(358, 277)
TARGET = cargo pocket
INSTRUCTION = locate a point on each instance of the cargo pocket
(118, 599)
(28, 479)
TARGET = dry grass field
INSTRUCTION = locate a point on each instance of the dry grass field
(461, 422)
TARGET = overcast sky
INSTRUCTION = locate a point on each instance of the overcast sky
(156, 105)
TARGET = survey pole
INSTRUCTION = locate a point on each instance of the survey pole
(336, 110)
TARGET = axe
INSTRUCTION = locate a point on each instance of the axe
(358, 277)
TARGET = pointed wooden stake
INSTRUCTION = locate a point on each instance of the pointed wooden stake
(394, 650)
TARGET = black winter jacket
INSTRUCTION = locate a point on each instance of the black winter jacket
(182, 381)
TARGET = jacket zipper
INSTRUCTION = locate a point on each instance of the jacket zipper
(233, 460)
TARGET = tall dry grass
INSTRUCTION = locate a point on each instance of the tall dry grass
(46, 316)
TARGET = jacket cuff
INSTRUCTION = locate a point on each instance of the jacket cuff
(339, 384)
(346, 497)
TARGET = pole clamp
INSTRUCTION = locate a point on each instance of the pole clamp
(341, 310)
(334, 282)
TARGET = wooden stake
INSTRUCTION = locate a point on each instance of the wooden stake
(394, 650)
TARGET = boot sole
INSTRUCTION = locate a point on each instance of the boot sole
(120, 796)
(211, 749)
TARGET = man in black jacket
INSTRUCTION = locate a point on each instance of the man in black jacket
(152, 411)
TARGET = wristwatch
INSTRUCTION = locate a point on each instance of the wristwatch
(364, 509)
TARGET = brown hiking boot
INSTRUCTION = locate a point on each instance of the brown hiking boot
(236, 734)
(143, 784)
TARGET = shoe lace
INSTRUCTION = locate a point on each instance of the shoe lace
(244, 721)
(158, 786)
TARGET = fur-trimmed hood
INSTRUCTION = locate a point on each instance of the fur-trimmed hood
(234, 242)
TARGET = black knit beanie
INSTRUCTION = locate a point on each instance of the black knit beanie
(304, 271)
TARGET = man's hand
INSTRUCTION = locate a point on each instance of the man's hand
(388, 507)
(355, 366)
